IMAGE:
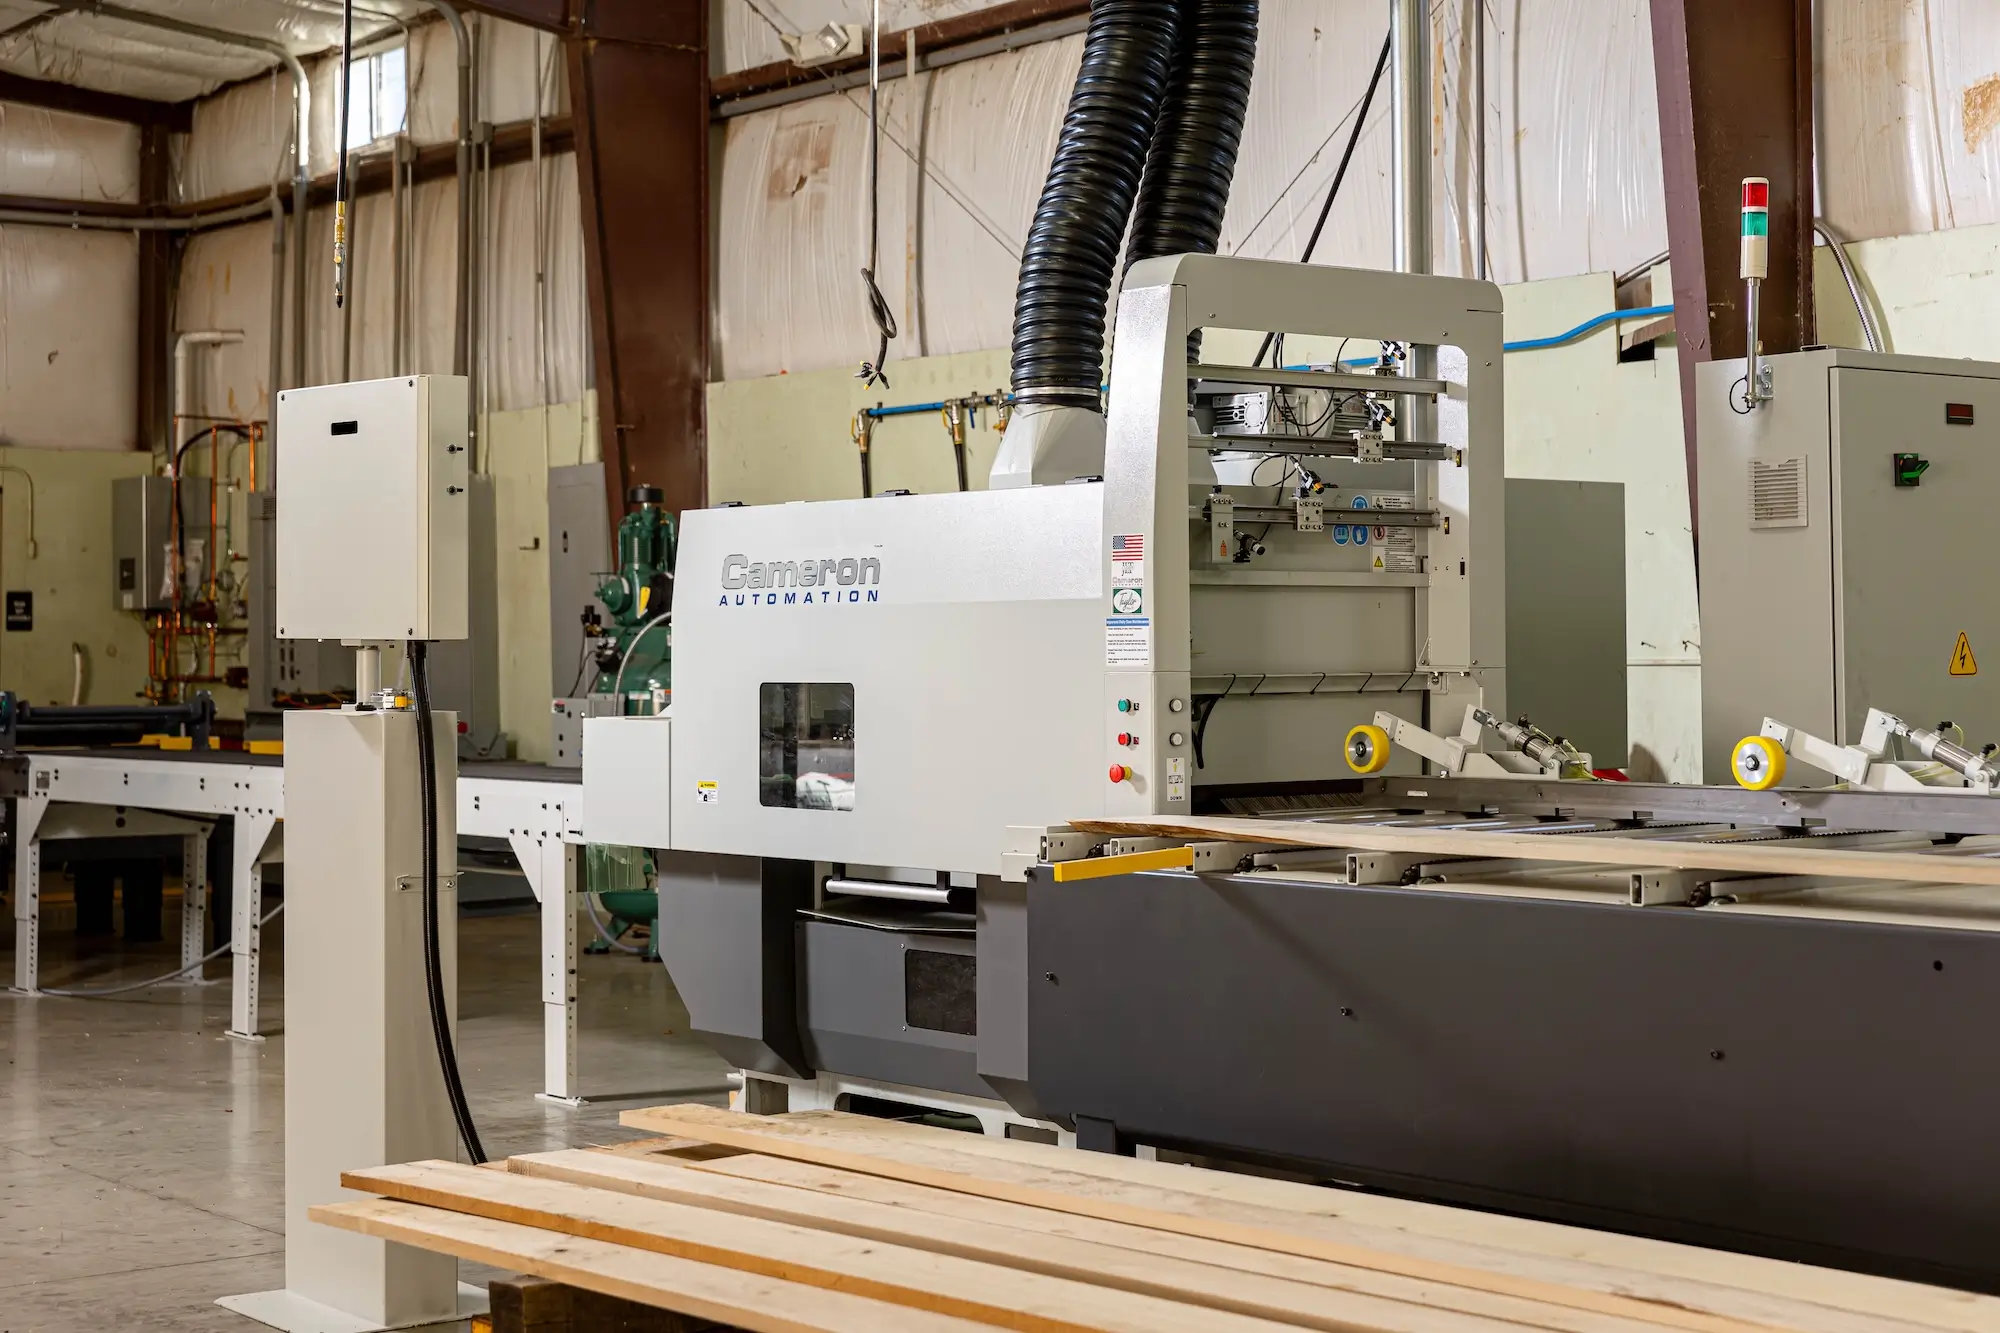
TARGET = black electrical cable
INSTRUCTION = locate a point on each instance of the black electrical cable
(420, 685)
(1340, 173)
(1071, 253)
(340, 181)
(872, 372)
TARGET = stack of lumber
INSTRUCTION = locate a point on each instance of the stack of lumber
(824, 1221)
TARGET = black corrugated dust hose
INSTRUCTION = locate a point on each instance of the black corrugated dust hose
(1186, 186)
(1072, 251)
(420, 682)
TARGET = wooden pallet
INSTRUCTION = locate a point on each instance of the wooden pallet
(825, 1221)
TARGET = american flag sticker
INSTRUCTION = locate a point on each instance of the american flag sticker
(1130, 546)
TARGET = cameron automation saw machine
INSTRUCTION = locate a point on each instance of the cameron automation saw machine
(867, 693)
(1183, 594)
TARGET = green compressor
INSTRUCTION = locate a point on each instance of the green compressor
(633, 655)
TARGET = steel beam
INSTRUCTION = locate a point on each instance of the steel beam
(640, 109)
(51, 96)
(1735, 93)
(157, 252)
(638, 77)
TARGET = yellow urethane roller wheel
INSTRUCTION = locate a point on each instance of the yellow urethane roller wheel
(1367, 749)
(1758, 763)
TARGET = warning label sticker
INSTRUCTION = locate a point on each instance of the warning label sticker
(1128, 641)
(1962, 662)
(708, 793)
(1399, 553)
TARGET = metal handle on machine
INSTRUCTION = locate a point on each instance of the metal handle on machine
(884, 888)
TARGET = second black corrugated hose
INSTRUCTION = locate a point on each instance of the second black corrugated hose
(1071, 253)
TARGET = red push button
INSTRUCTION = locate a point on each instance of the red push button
(1119, 772)
(1125, 738)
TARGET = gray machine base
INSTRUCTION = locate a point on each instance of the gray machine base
(1804, 1088)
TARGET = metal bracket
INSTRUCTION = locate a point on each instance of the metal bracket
(1382, 867)
(415, 883)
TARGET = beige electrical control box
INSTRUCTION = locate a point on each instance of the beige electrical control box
(1844, 527)
(372, 484)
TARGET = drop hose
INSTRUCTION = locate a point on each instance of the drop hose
(1071, 253)
(461, 1113)
(1185, 189)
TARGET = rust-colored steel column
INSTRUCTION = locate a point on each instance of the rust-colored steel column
(638, 77)
(1736, 95)
(156, 298)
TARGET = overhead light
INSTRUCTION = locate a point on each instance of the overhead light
(836, 41)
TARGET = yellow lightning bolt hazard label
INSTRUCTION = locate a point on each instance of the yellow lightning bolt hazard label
(1962, 663)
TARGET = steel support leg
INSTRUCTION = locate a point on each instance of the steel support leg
(551, 866)
(245, 937)
(194, 900)
(26, 821)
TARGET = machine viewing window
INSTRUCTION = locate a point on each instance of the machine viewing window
(806, 744)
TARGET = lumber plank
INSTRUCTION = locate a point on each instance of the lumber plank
(727, 1296)
(920, 1279)
(1696, 1309)
(664, 1146)
(529, 1304)
(1794, 857)
(1338, 1302)
(926, 1199)
(1839, 1299)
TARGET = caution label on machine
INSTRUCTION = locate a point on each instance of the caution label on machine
(1962, 661)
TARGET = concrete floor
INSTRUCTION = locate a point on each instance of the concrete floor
(142, 1152)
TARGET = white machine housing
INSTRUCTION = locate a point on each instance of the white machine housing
(1037, 654)
(1823, 583)
(372, 485)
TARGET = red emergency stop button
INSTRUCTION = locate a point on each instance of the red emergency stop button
(1120, 773)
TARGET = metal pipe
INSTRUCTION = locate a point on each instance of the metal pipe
(1410, 32)
(277, 350)
(1753, 375)
(1476, 230)
(35, 217)
(349, 276)
(882, 888)
(462, 326)
(367, 672)
(398, 298)
(182, 388)
(1870, 330)
(301, 132)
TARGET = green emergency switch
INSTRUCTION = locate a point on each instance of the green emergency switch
(1910, 469)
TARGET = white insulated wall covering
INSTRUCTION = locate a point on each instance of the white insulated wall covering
(55, 155)
(749, 28)
(1909, 126)
(794, 208)
(240, 133)
(1909, 141)
(226, 275)
(69, 301)
(793, 179)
